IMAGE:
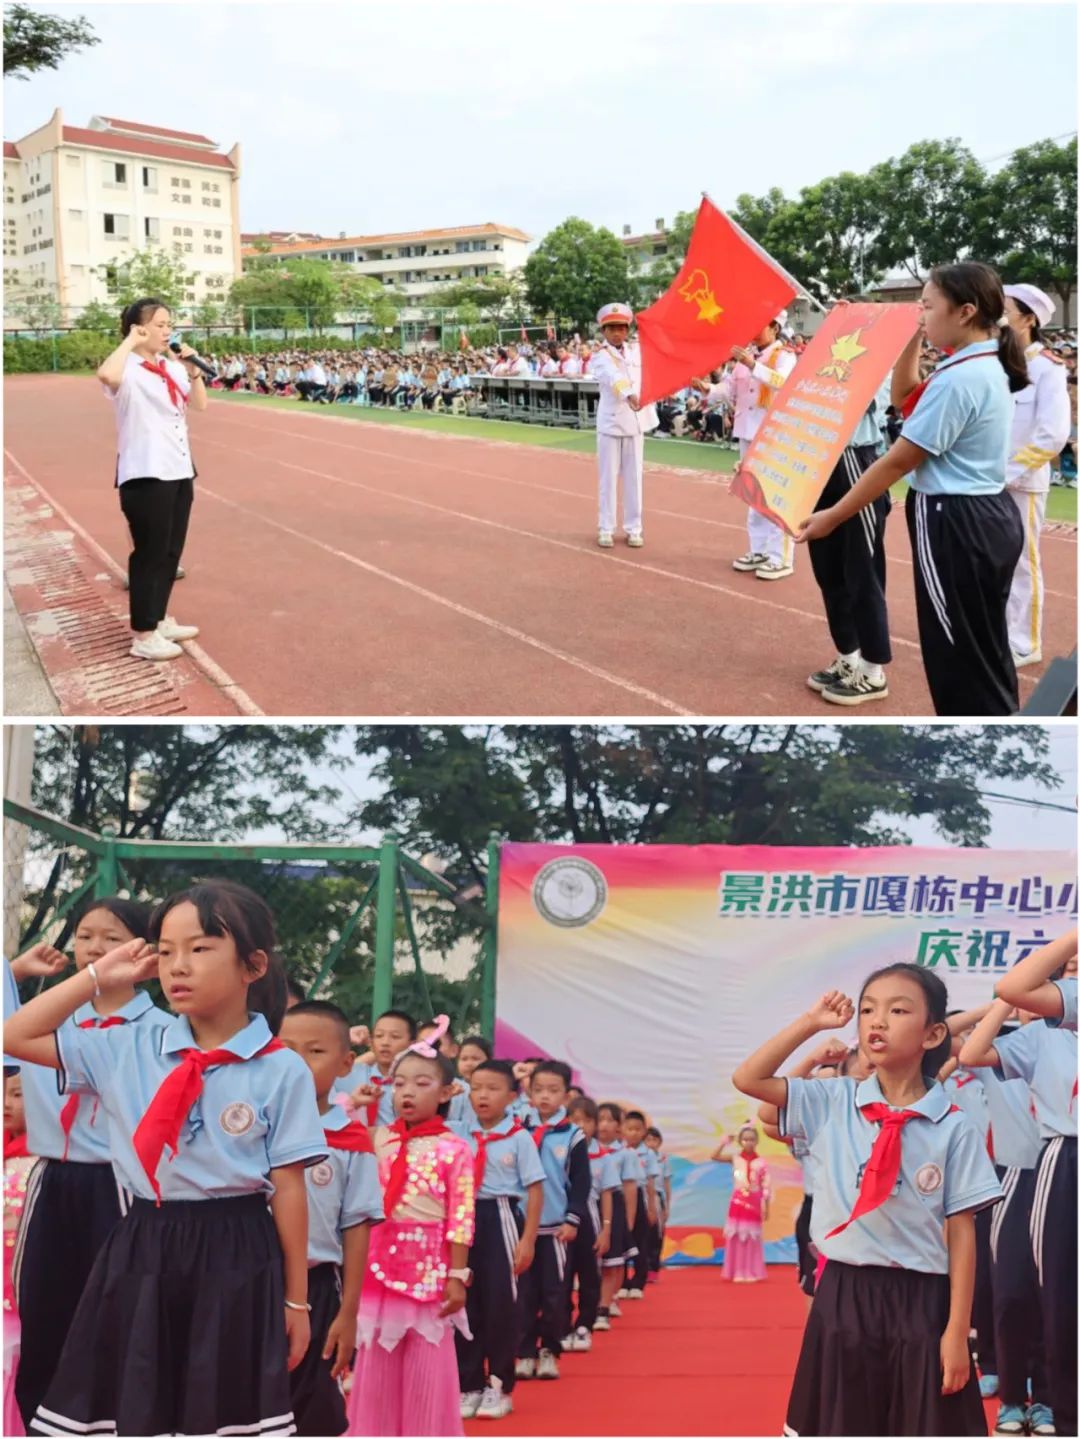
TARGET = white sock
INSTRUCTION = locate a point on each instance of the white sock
(852, 659)
(874, 673)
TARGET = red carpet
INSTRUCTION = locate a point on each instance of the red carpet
(696, 1356)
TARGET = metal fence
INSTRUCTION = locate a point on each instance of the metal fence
(356, 924)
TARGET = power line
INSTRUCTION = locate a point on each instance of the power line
(1008, 154)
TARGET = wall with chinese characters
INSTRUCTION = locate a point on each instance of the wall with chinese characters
(654, 969)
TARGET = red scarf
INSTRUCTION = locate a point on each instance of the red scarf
(916, 395)
(962, 1079)
(159, 1128)
(482, 1142)
(600, 1153)
(176, 394)
(354, 1137)
(15, 1146)
(399, 1169)
(883, 1166)
(71, 1108)
(538, 1134)
(373, 1104)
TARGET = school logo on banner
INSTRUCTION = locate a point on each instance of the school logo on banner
(569, 892)
(237, 1118)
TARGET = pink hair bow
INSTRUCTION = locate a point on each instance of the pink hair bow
(427, 1047)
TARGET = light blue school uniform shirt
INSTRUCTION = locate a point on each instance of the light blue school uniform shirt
(554, 1155)
(868, 430)
(1045, 1058)
(369, 1074)
(965, 1089)
(604, 1169)
(1013, 1127)
(43, 1098)
(1067, 1018)
(944, 1169)
(512, 1164)
(650, 1167)
(964, 420)
(343, 1190)
(11, 1004)
(461, 1110)
(801, 1151)
(521, 1109)
(249, 1119)
(626, 1162)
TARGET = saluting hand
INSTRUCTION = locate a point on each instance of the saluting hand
(832, 1011)
(364, 1095)
(360, 1035)
(40, 960)
(830, 1052)
(129, 963)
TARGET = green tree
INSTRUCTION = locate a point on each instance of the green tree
(151, 271)
(38, 309)
(207, 314)
(935, 208)
(101, 319)
(575, 269)
(830, 233)
(1033, 200)
(33, 41)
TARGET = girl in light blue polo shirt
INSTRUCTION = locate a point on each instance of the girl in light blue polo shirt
(966, 533)
(196, 1306)
(898, 1175)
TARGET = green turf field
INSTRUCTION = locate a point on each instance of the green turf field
(686, 454)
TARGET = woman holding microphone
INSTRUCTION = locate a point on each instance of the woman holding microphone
(151, 392)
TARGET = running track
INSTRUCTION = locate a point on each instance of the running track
(341, 568)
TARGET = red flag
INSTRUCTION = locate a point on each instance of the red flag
(726, 291)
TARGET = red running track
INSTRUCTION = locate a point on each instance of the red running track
(341, 568)
(695, 1356)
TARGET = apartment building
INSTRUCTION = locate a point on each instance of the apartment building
(78, 200)
(419, 263)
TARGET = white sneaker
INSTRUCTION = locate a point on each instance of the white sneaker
(613, 1308)
(548, 1367)
(603, 1323)
(635, 539)
(569, 1344)
(582, 1340)
(495, 1404)
(753, 560)
(605, 539)
(621, 1295)
(470, 1403)
(525, 1369)
(1034, 658)
(635, 1294)
(173, 631)
(157, 647)
(774, 570)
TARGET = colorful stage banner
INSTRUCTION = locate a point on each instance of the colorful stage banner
(653, 970)
(819, 408)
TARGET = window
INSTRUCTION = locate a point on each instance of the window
(149, 177)
(117, 226)
(73, 159)
(76, 214)
(110, 278)
(187, 232)
(190, 295)
(151, 228)
(115, 175)
(177, 230)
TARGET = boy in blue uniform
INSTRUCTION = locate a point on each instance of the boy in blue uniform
(508, 1174)
(654, 1140)
(594, 1232)
(370, 1085)
(344, 1199)
(647, 1212)
(624, 1212)
(542, 1288)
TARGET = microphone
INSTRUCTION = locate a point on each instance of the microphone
(174, 346)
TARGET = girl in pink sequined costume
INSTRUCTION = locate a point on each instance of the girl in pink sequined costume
(406, 1379)
(744, 1248)
(17, 1167)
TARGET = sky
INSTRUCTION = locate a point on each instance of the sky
(368, 118)
(1016, 825)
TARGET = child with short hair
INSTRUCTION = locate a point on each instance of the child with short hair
(624, 1203)
(475, 1050)
(899, 1174)
(744, 1248)
(214, 1246)
(594, 1233)
(655, 1141)
(344, 1200)
(522, 1107)
(415, 1287)
(542, 1287)
(508, 1173)
(633, 1127)
(369, 1085)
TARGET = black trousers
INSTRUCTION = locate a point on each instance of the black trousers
(317, 1401)
(965, 549)
(583, 1262)
(1018, 1341)
(982, 1304)
(491, 1304)
(849, 565)
(639, 1269)
(1053, 1243)
(70, 1211)
(656, 1240)
(157, 513)
(542, 1299)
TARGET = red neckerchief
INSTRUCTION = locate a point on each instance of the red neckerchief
(907, 408)
(354, 1137)
(600, 1153)
(748, 1161)
(883, 1166)
(176, 394)
(15, 1146)
(373, 1104)
(538, 1134)
(962, 1079)
(159, 1128)
(399, 1169)
(483, 1139)
(71, 1108)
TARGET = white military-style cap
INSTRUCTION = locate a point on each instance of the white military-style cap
(1037, 301)
(615, 314)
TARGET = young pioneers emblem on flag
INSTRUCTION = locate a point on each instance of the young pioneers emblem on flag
(570, 892)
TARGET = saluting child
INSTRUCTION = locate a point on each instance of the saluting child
(369, 1085)
(344, 1200)
(414, 1290)
(646, 1217)
(898, 1176)
(624, 1202)
(744, 1246)
(594, 1232)
(508, 1174)
(213, 1249)
(73, 1198)
(542, 1287)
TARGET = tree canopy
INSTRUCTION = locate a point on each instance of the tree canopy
(574, 270)
(34, 41)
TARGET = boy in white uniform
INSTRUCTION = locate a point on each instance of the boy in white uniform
(621, 424)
